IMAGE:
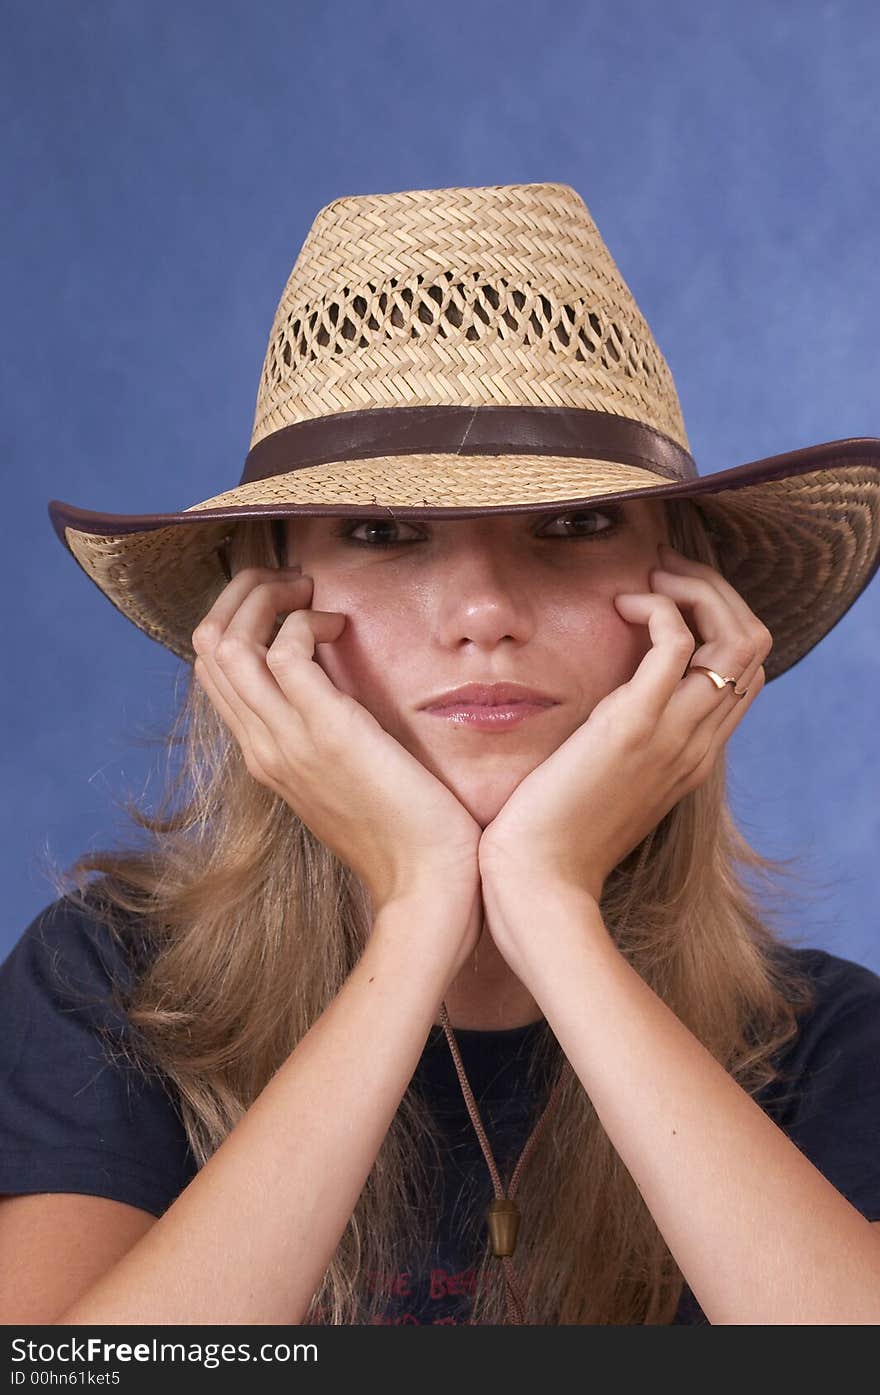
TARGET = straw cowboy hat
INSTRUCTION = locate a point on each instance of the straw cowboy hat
(465, 351)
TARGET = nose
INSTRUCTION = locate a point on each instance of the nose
(485, 597)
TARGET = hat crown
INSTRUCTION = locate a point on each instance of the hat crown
(496, 295)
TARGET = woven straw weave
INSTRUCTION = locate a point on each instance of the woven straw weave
(798, 592)
(502, 295)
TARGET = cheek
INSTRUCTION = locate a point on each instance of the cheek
(606, 648)
(361, 662)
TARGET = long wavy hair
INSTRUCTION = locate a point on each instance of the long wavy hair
(243, 927)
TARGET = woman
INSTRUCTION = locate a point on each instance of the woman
(387, 961)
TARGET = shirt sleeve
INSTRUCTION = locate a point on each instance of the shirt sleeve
(74, 1117)
(829, 1104)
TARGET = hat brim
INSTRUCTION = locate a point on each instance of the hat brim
(798, 534)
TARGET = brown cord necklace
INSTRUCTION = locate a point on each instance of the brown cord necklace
(503, 1214)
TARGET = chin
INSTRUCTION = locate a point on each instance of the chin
(482, 805)
(485, 796)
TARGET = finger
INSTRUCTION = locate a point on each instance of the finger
(291, 661)
(730, 712)
(223, 639)
(715, 617)
(730, 718)
(673, 561)
(214, 623)
(672, 644)
(256, 616)
(210, 630)
(227, 714)
(254, 741)
(728, 648)
(275, 679)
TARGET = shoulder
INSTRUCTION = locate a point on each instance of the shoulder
(68, 961)
(836, 976)
(79, 1110)
(69, 931)
(843, 1023)
(847, 1000)
(827, 1094)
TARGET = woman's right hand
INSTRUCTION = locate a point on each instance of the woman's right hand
(398, 827)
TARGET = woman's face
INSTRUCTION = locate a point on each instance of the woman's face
(434, 604)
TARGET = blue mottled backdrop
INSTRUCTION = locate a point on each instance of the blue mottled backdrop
(162, 164)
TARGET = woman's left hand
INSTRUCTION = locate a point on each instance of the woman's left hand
(648, 743)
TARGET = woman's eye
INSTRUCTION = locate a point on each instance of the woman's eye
(577, 523)
(348, 528)
(584, 523)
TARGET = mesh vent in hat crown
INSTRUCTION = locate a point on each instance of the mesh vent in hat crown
(459, 351)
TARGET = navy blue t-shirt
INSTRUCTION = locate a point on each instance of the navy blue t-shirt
(74, 1120)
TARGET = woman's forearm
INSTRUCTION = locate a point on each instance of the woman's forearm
(760, 1235)
(250, 1238)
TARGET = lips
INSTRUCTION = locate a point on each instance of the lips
(490, 695)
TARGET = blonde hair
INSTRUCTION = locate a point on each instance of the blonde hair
(243, 928)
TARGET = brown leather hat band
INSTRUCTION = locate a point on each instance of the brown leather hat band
(453, 430)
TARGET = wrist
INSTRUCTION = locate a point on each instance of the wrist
(529, 919)
(528, 892)
(429, 918)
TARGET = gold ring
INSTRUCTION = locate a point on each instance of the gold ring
(717, 679)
